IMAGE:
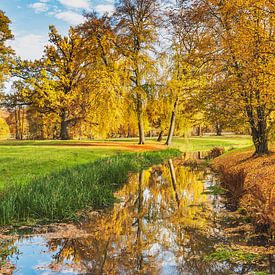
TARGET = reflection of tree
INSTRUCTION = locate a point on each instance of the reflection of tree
(139, 221)
(163, 211)
(7, 248)
(174, 180)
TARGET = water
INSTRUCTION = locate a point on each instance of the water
(162, 223)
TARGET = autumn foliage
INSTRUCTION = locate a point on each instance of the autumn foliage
(150, 69)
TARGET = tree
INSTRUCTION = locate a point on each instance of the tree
(219, 107)
(186, 78)
(5, 51)
(104, 75)
(16, 106)
(137, 25)
(53, 84)
(4, 129)
(224, 26)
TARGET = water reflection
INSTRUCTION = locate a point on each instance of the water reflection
(162, 224)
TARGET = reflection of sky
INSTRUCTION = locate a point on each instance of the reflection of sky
(33, 258)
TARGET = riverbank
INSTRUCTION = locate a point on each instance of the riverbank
(250, 183)
(60, 195)
(163, 222)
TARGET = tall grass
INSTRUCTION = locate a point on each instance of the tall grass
(60, 195)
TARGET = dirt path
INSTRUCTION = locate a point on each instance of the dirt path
(118, 145)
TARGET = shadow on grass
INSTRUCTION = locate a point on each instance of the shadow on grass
(60, 196)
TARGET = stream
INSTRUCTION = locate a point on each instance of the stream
(162, 223)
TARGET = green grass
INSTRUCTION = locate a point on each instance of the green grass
(23, 163)
(60, 195)
(208, 142)
(223, 254)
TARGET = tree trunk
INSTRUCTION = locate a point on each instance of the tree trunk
(140, 121)
(259, 137)
(22, 124)
(17, 125)
(64, 126)
(258, 129)
(218, 129)
(160, 136)
(172, 123)
(199, 131)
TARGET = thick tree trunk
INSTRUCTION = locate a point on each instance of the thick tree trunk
(140, 121)
(259, 138)
(172, 123)
(64, 135)
(160, 136)
(258, 129)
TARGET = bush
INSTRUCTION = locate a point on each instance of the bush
(215, 152)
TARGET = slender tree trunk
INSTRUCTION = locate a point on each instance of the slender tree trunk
(140, 121)
(139, 220)
(22, 123)
(160, 136)
(64, 126)
(218, 129)
(174, 180)
(199, 131)
(172, 123)
(17, 125)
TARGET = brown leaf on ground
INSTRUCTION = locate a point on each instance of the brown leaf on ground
(259, 183)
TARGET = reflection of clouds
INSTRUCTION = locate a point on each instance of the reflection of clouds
(146, 194)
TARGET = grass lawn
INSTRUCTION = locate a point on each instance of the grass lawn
(22, 164)
(24, 161)
(208, 142)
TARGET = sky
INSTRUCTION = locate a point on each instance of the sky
(31, 20)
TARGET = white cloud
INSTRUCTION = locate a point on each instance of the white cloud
(103, 8)
(29, 46)
(39, 7)
(70, 17)
(78, 4)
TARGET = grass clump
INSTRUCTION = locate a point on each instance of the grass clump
(225, 254)
(61, 195)
(214, 190)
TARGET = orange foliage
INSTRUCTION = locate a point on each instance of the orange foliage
(259, 183)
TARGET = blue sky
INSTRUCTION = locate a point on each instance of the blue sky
(31, 19)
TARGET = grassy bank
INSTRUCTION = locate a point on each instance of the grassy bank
(251, 184)
(61, 194)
